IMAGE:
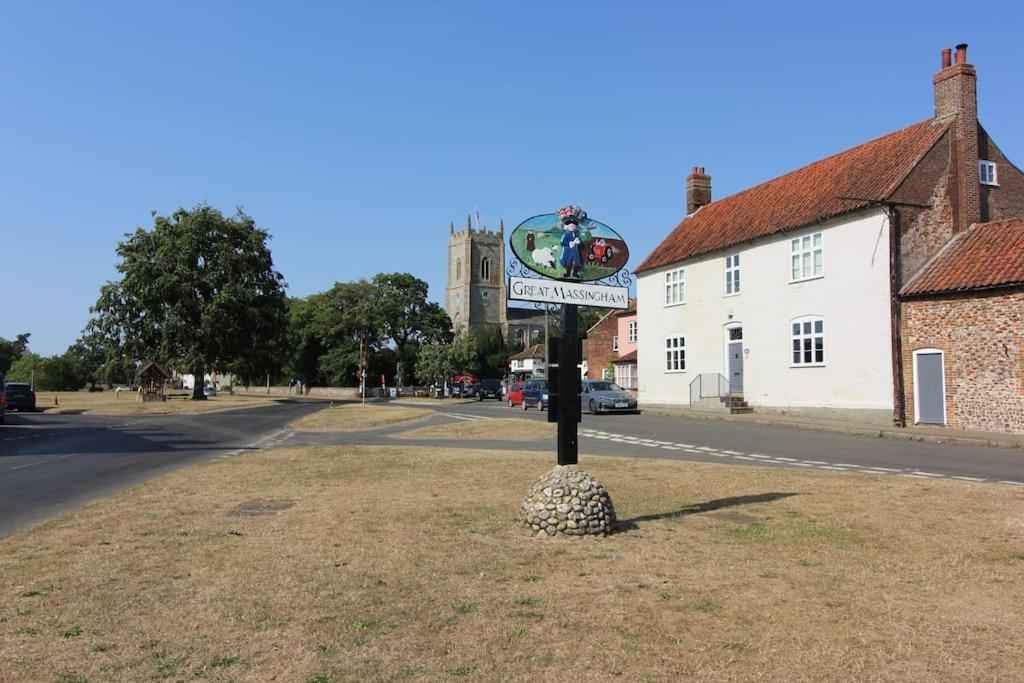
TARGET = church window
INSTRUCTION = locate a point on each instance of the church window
(458, 269)
(485, 268)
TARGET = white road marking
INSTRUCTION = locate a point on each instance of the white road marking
(733, 452)
(814, 462)
(743, 457)
(830, 467)
(928, 474)
(1012, 483)
(843, 464)
(885, 469)
(785, 459)
(706, 448)
(670, 448)
(756, 455)
(969, 478)
(43, 462)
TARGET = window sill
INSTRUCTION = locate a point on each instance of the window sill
(989, 184)
(681, 303)
(675, 372)
(807, 279)
(729, 296)
(808, 365)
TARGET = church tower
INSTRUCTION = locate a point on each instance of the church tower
(476, 295)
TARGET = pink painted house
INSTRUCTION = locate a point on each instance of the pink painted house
(625, 344)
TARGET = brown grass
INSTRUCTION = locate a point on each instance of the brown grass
(406, 564)
(501, 428)
(109, 403)
(347, 417)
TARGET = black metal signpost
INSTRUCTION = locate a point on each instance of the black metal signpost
(571, 252)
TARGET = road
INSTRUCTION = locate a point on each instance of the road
(661, 436)
(52, 464)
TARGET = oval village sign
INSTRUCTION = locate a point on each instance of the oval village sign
(568, 249)
(545, 245)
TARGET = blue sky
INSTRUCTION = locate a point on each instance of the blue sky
(355, 133)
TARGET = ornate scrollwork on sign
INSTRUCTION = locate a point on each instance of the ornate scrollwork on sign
(515, 268)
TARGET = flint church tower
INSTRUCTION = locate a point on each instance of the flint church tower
(476, 277)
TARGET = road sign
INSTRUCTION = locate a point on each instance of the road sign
(561, 292)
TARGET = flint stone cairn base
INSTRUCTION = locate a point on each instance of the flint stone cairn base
(568, 501)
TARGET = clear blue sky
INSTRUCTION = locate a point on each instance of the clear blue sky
(356, 132)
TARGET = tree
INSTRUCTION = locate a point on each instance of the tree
(11, 351)
(439, 361)
(198, 292)
(408, 318)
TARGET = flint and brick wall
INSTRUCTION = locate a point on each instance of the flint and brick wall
(982, 337)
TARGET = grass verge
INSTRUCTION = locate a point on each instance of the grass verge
(109, 403)
(346, 417)
(343, 563)
(500, 428)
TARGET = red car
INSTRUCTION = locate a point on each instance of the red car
(515, 394)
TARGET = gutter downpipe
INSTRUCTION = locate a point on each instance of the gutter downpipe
(899, 416)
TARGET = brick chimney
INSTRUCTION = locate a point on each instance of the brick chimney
(956, 99)
(698, 189)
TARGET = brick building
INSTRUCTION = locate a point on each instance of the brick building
(608, 341)
(883, 282)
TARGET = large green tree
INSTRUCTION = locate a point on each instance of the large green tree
(198, 292)
(408, 319)
(11, 350)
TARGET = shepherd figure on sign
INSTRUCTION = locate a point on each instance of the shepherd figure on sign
(571, 258)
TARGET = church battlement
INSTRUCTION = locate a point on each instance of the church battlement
(480, 233)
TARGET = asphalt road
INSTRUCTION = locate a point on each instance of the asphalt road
(659, 436)
(52, 464)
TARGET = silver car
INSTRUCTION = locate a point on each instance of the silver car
(601, 396)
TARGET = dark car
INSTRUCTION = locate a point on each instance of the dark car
(488, 388)
(19, 396)
(535, 393)
(602, 396)
(3, 401)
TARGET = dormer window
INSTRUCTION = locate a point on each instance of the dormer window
(987, 172)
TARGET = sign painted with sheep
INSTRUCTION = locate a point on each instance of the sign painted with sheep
(569, 246)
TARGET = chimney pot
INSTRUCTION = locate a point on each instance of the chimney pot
(698, 190)
(947, 58)
(961, 53)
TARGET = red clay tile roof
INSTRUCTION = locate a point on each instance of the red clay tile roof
(628, 358)
(869, 172)
(535, 351)
(983, 256)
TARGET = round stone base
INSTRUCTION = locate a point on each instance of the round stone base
(568, 501)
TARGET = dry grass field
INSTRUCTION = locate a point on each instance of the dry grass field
(347, 417)
(109, 403)
(500, 428)
(341, 563)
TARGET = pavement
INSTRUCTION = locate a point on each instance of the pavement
(52, 464)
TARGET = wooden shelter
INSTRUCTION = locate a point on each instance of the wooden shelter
(152, 381)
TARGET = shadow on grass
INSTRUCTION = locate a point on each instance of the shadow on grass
(697, 508)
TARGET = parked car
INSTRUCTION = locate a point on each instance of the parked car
(535, 393)
(601, 396)
(488, 388)
(19, 396)
(123, 389)
(3, 401)
(515, 394)
(209, 391)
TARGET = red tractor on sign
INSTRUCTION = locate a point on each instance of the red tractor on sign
(600, 252)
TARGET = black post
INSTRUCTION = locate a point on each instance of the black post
(568, 386)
